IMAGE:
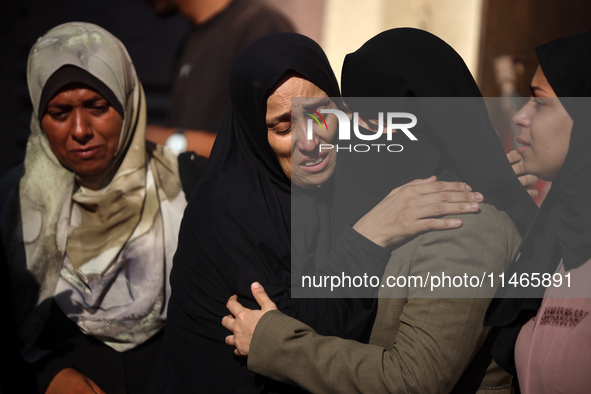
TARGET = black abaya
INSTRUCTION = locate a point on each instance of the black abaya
(237, 230)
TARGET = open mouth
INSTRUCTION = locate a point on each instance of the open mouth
(315, 165)
(314, 162)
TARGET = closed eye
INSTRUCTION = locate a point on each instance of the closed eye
(282, 132)
(59, 112)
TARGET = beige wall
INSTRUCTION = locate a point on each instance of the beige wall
(306, 15)
(349, 23)
(342, 26)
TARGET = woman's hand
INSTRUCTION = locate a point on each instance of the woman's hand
(243, 321)
(70, 381)
(527, 180)
(412, 208)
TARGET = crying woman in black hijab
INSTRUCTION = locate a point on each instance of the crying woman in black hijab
(238, 227)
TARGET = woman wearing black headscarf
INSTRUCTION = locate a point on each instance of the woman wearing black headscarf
(547, 342)
(238, 226)
(424, 344)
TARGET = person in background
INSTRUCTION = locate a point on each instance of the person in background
(89, 222)
(546, 329)
(200, 91)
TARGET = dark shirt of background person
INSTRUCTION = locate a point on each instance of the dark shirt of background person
(200, 95)
(152, 42)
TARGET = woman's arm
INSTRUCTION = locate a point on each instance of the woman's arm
(427, 342)
(359, 253)
(347, 311)
(429, 358)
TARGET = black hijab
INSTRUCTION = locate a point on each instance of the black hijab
(566, 64)
(245, 190)
(562, 229)
(236, 230)
(454, 142)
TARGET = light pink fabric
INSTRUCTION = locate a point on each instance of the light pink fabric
(553, 350)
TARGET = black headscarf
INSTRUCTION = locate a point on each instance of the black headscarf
(236, 230)
(70, 74)
(566, 64)
(562, 229)
(454, 142)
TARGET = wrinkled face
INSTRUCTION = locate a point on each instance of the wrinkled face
(83, 130)
(545, 130)
(300, 157)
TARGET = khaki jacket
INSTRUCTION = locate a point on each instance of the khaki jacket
(418, 344)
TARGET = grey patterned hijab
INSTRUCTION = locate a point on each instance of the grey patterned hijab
(99, 244)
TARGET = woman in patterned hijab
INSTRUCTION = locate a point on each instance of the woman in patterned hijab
(91, 227)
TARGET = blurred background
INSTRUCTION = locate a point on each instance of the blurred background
(496, 38)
